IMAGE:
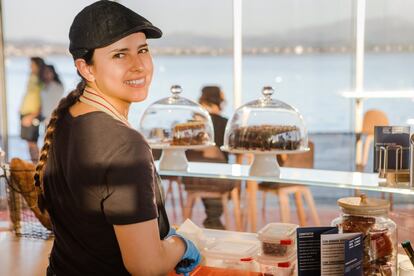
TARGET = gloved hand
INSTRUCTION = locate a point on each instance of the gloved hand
(171, 232)
(190, 259)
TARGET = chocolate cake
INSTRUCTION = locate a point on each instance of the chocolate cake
(190, 133)
(265, 138)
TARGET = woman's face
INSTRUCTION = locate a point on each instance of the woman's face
(34, 68)
(48, 75)
(123, 70)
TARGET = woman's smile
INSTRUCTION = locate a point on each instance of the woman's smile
(136, 83)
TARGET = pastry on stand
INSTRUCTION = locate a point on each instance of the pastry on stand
(175, 124)
(266, 127)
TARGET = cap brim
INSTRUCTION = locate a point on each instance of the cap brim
(149, 31)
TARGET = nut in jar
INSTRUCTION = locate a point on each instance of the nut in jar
(369, 216)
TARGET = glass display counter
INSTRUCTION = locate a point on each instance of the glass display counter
(312, 177)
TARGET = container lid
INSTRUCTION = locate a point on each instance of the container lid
(240, 250)
(363, 205)
(276, 261)
(281, 233)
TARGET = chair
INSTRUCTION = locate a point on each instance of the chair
(303, 160)
(371, 119)
(198, 188)
(193, 196)
(170, 193)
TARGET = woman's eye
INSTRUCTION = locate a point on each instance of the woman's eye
(119, 55)
(143, 51)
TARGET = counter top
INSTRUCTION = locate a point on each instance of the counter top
(312, 177)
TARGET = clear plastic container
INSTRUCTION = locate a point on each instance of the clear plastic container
(369, 216)
(277, 266)
(278, 239)
(233, 254)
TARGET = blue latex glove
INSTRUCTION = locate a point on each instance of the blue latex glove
(171, 232)
(190, 259)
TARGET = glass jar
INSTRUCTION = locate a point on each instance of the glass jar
(369, 216)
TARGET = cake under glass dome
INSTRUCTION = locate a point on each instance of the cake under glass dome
(175, 124)
(266, 127)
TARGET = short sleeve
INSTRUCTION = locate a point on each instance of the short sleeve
(130, 186)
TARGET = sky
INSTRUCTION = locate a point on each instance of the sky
(49, 20)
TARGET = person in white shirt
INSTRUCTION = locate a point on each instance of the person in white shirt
(51, 93)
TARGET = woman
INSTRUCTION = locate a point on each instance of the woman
(30, 107)
(51, 93)
(99, 183)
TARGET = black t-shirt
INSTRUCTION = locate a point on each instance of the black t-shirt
(219, 124)
(99, 173)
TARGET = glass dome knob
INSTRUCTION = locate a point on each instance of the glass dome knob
(268, 91)
(176, 90)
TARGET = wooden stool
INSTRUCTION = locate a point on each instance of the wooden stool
(170, 194)
(283, 192)
(193, 196)
(302, 160)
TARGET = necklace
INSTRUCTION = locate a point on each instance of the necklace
(92, 98)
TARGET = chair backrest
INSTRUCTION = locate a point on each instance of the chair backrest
(300, 160)
(373, 117)
(210, 154)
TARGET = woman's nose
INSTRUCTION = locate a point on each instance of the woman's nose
(138, 65)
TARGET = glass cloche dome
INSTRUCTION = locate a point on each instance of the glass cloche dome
(266, 127)
(175, 124)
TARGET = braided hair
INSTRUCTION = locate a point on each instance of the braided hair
(57, 114)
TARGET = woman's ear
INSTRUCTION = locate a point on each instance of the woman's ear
(84, 69)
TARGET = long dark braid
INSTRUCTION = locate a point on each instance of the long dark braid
(57, 114)
(61, 109)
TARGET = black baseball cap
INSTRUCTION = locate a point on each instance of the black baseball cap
(211, 95)
(103, 23)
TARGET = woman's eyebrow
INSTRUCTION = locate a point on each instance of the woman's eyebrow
(142, 46)
(119, 50)
(127, 49)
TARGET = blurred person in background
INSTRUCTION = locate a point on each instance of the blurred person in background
(212, 99)
(51, 93)
(30, 109)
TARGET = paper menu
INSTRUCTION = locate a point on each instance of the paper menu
(396, 139)
(341, 254)
(309, 249)
(322, 251)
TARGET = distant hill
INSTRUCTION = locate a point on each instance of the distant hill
(391, 34)
(341, 33)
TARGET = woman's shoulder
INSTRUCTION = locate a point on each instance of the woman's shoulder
(100, 130)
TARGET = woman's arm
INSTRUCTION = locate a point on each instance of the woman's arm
(143, 252)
